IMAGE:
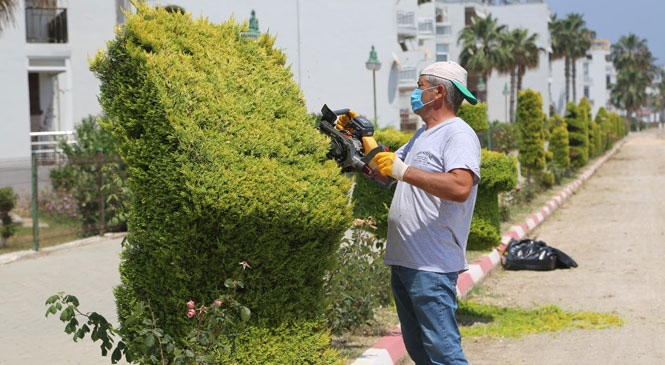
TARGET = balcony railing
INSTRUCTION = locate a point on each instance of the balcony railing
(46, 25)
(406, 24)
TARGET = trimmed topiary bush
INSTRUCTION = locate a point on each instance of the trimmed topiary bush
(498, 173)
(559, 149)
(578, 136)
(530, 121)
(224, 167)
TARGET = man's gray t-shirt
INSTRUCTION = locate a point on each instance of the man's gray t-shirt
(425, 232)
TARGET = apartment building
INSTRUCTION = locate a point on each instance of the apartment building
(45, 82)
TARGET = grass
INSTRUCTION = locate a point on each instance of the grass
(54, 229)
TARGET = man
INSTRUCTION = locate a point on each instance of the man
(438, 172)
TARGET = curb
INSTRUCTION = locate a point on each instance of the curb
(390, 349)
(18, 255)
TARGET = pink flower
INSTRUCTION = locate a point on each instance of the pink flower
(190, 304)
(218, 303)
(191, 313)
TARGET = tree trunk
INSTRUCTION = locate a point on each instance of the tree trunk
(573, 78)
(513, 96)
(566, 71)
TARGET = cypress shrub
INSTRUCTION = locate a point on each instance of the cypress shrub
(474, 115)
(578, 136)
(530, 121)
(498, 173)
(585, 111)
(559, 148)
(224, 167)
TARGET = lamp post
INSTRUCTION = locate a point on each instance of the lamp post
(505, 93)
(481, 87)
(373, 65)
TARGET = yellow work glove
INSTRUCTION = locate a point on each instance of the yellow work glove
(345, 118)
(369, 143)
(391, 165)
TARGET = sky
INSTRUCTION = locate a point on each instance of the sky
(612, 19)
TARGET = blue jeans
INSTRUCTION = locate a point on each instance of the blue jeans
(426, 304)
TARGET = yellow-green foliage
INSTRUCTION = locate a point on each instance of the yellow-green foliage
(559, 147)
(224, 167)
(286, 344)
(498, 173)
(578, 136)
(592, 129)
(502, 322)
(474, 115)
(530, 120)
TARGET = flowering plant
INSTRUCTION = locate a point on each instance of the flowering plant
(214, 320)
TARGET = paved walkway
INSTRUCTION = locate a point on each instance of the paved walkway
(87, 269)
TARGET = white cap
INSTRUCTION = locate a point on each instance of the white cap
(452, 71)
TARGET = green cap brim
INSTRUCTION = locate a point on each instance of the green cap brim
(467, 94)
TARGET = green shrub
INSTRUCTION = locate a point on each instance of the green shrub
(224, 167)
(530, 122)
(578, 136)
(498, 174)
(289, 343)
(359, 283)
(505, 137)
(474, 115)
(560, 149)
(79, 177)
(7, 203)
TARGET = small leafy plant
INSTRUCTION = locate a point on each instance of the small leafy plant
(223, 317)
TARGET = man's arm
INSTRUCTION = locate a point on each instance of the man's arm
(454, 185)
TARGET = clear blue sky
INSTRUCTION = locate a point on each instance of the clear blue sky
(612, 19)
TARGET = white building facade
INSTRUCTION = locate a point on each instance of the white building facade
(46, 84)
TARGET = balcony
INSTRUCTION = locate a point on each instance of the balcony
(46, 24)
(406, 25)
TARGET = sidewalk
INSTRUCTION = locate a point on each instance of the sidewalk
(87, 269)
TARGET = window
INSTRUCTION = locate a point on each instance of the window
(444, 30)
(408, 75)
(442, 50)
(46, 22)
(426, 26)
(420, 2)
(586, 91)
(441, 15)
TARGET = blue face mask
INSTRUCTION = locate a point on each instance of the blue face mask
(416, 98)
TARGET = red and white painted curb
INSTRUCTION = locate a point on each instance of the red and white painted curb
(390, 349)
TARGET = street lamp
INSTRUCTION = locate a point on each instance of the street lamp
(505, 93)
(373, 65)
(481, 86)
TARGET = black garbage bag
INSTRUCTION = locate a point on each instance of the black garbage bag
(528, 254)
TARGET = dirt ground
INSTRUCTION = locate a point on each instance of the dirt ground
(614, 227)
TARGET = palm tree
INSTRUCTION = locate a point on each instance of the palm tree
(524, 55)
(579, 44)
(629, 93)
(560, 48)
(481, 48)
(6, 13)
(570, 41)
(631, 51)
(635, 72)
